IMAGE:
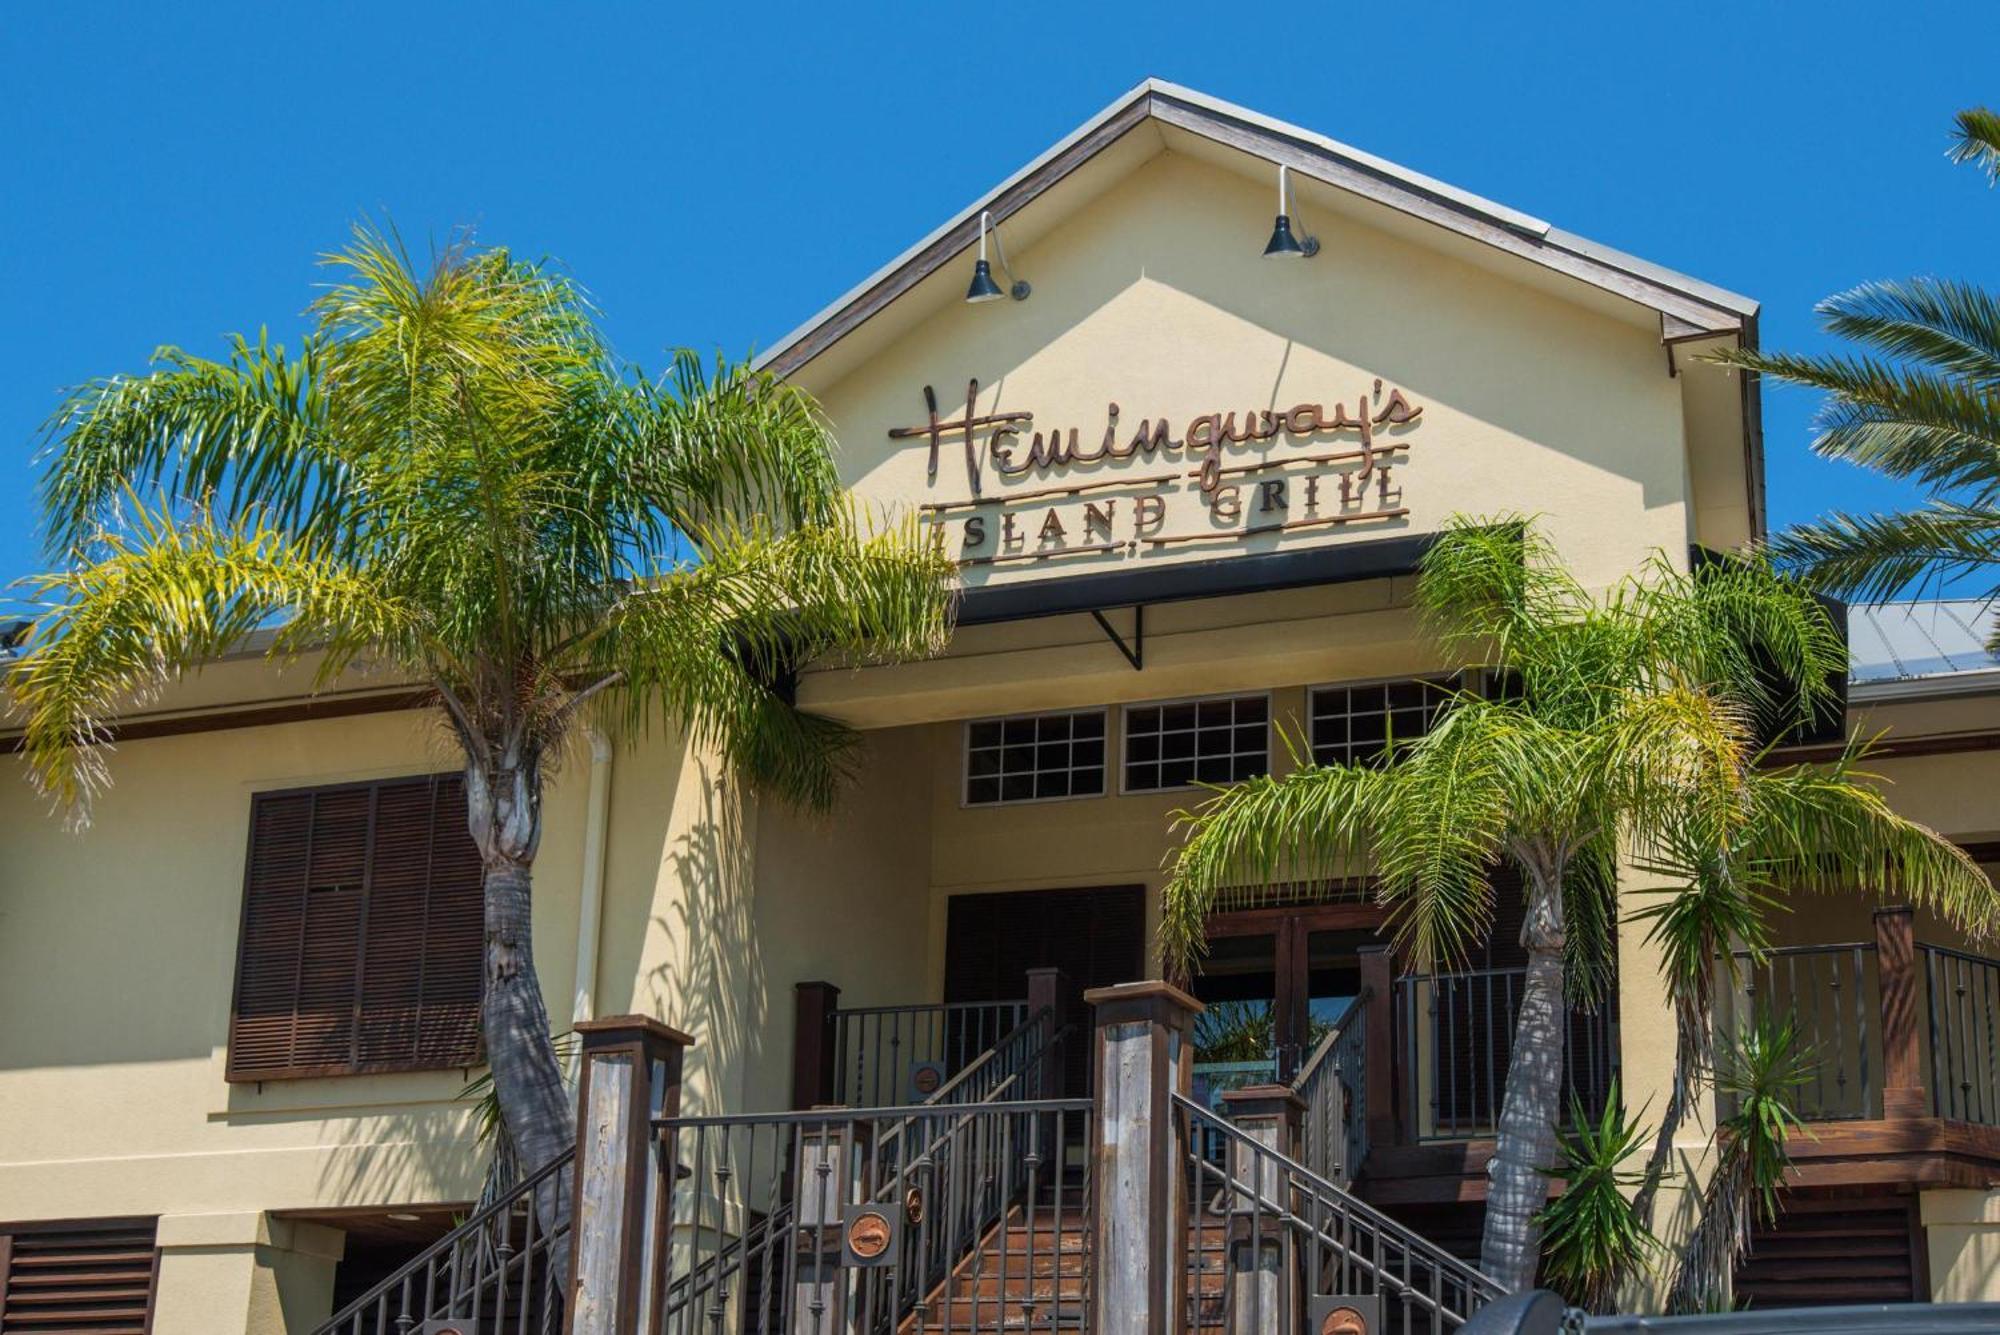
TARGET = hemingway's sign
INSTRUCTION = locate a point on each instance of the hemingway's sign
(1186, 487)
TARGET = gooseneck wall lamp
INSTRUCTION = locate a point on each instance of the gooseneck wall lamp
(1283, 245)
(983, 287)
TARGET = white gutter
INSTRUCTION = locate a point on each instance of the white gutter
(1941, 686)
(590, 908)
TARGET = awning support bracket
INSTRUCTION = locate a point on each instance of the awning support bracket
(1134, 649)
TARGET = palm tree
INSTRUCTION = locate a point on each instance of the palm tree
(1920, 401)
(1614, 716)
(454, 481)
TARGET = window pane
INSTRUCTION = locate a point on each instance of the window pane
(1037, 761)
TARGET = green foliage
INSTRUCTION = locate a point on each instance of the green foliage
(1976, 138)
(1591, 1238)
(1914, 400)
(1636, 715)
(1632, 719)
(455, 480)
(1761, 1071)
(1235, 1031)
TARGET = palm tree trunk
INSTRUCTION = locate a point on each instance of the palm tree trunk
(1525, 1147)
(515, 1022)
(504, 815)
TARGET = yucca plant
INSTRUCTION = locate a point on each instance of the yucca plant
(1918, 399)
(1592, 1239)
(1626, 718)
(455, 482)
(1758, 1078)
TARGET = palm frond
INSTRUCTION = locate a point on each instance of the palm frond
(1877, 557)
(1949, 325)
(248, 432)
(1976, 138)
(1934, 428)
(1311, 820)
(176, 593)
(1829, 828)
(710, 645)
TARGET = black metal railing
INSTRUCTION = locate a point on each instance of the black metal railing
(978, 1220)
(500, 1271)
(1333, 1086)
(1264, 1213)
(1455, 1035)
(985, 1216)
(1831, 995)
(889, 1055)
(1963, 1033)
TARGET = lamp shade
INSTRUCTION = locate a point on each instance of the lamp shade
(983, 287)
(1283, 245)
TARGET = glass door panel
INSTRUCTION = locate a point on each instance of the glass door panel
(1236, 1038)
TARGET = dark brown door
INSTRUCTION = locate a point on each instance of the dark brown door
(1097, 936)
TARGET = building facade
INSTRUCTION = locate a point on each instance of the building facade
(1187, 486)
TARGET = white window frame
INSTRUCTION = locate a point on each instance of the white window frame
(1125, 735)
(965, 759)
(1448, 680)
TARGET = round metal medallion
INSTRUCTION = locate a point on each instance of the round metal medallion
(1344, 1321)
(913, 1205)
(868, 1236)
(927, 1079)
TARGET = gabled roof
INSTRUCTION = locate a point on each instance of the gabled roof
(1688, 308)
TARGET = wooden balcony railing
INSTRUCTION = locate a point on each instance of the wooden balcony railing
(1892, 1028)
(1455, 1042)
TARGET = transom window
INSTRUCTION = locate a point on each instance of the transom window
(1196, 741)
(1356, 725)
(1034, 757)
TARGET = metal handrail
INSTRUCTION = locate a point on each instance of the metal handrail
(398, 1285)
(1333, 1035)
(914, 1143)
(1250, 1195)
(1333, 1123)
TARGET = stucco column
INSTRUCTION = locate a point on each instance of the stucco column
(1138, 1169)
(246, 1272)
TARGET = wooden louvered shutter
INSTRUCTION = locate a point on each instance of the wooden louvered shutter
(422, 963)
(361, 945)
(95, 1277)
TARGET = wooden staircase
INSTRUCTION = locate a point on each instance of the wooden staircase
(1033, 1279)
(1021, 1277)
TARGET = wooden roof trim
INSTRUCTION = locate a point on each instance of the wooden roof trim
(265, 714)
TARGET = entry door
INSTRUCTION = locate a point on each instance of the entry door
(1274, 980)
(1097, 936)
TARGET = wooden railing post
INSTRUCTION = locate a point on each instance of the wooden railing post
(1903, 1092)
(813, 1005)
(1379, 1058)
(631, 1075)
(1142, 1057)
(1049, 989)
(829, 1176)
(1263, 1268)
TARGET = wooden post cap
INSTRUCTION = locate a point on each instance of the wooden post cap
(602, 1030)
(1153, 993)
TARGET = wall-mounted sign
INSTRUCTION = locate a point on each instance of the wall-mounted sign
(1217, 478)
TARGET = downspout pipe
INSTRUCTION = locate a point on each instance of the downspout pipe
(590, 905)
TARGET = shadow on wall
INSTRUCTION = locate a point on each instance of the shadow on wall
(707, 981)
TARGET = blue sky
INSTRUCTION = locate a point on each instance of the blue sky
(714, 175)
